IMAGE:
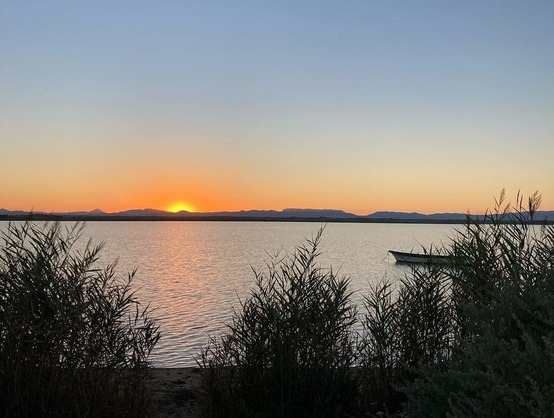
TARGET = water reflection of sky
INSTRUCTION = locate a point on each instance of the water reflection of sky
(193, 273)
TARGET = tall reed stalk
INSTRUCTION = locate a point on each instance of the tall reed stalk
(503, 284)
(471, 338)
(406, 325)
(74, 341)
(289, 350)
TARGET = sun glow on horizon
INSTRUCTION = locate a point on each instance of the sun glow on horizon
(179, 206)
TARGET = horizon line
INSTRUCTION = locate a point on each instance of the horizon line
(219, 212)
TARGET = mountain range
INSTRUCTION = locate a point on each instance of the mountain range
(293, 214)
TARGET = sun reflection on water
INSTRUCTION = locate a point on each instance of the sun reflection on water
(193, 273)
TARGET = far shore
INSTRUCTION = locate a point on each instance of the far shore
(207, 218)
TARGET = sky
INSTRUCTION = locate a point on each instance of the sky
(426, 106)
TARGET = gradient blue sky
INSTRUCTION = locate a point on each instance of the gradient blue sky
(425, 106)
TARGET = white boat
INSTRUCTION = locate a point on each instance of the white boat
(418, 258)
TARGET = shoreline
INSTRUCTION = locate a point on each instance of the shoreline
(360, 220)
(174, 391)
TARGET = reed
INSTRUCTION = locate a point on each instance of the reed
(472, 338)
(74, 341)
(406, 325)
(288, 351)
(504, 295)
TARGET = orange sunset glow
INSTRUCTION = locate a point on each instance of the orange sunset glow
(362, 108)
(180, 206)
(276, 208)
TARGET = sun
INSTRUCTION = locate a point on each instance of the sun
(179, 206)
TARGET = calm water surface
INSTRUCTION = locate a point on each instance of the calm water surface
(193, 273)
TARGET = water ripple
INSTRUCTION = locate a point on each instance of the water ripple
(193, 273)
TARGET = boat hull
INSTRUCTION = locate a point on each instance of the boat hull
(415, 258)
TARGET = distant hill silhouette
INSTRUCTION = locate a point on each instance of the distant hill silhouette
(141, 212)
(286, 214)
(418, 216)
(395, 215)
(92, 212)
(318, 213)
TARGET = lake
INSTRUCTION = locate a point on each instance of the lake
(193, 273)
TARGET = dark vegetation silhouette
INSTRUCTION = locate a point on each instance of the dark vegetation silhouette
(290, 347)
(74, 341)
(471, 338)
(501, 289)
(474, 337)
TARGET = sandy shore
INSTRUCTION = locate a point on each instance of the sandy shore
(174, 391)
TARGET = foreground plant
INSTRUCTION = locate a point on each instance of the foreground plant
(472, 338)
(289, 350)
(503, 289)
(74, 341)
(406, 325)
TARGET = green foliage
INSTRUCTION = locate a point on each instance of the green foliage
(503, 293)
(469, 338)
(289, 350)
(491, 377)
(404, 328)
(473, 337)
(74, 341)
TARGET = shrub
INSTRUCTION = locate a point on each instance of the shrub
(405, 327)
(74, 341)
(289, 350)
(503, 292)
(489, 377)
(471, 338)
